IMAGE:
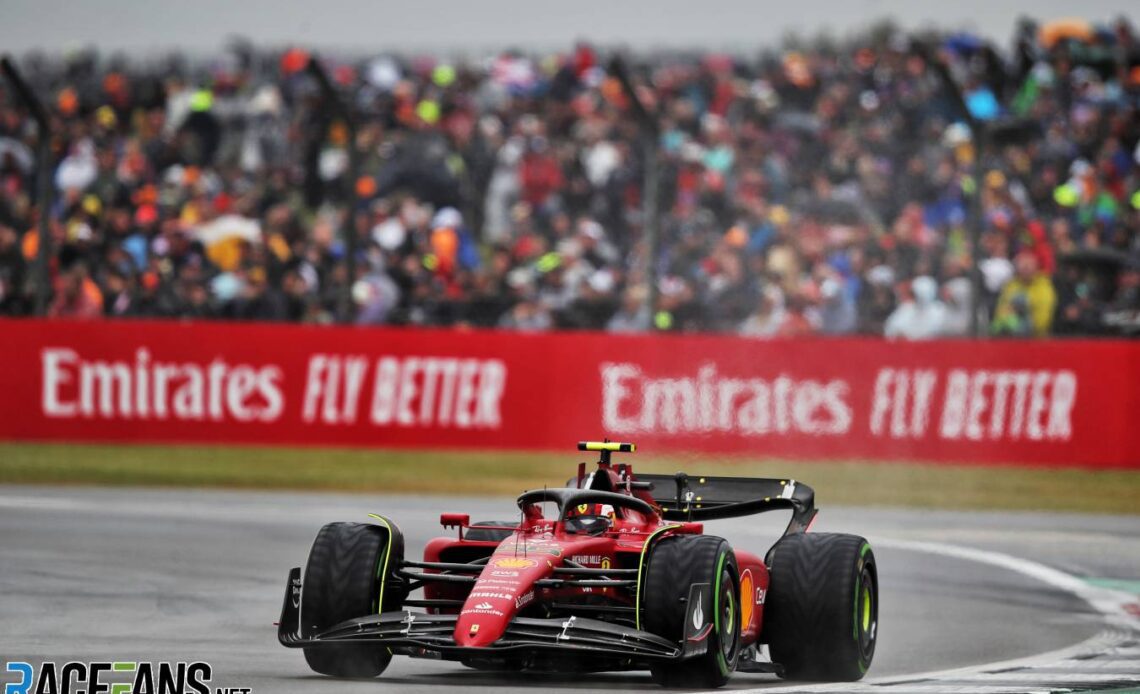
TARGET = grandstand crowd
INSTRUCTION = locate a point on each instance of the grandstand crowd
(821, 188)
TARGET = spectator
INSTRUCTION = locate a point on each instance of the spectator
(876, 301)
(769, 316)
(633, 316)
(527, 316)
(11, 272)
(921, 316)
(1027, 301)
(798, 189)
(837, 311)
(76, 296)
(800, 319)
(956, 295)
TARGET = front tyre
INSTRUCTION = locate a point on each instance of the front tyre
(821, 616)
(674, 565)
(347, 571)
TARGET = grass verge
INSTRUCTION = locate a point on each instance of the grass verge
(508, 473)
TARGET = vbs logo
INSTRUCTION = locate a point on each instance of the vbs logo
(115, 678)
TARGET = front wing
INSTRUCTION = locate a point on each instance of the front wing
(428, 635)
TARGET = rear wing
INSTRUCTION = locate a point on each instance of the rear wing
(684, 497)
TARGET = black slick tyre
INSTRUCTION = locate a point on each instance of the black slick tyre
(674, 564)
(343, 580)
(822, 611)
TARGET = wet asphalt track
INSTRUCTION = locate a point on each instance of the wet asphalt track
(90, 574)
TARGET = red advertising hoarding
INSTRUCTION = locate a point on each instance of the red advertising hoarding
(1032, 402)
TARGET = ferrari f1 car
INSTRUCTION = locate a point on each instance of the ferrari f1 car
(612, 572)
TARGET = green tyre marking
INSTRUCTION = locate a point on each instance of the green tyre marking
(858, 583)
(382, 573)
(641, 573)
(721, 660)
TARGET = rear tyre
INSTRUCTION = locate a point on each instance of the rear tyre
(821, 617)
(343, 581)
(674, 565)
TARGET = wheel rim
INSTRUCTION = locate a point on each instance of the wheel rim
(868, 619)
(728, 635)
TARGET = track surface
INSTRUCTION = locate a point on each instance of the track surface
(90, 574)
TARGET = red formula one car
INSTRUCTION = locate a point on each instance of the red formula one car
(612, 572)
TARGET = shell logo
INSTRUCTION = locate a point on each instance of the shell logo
(513, 563)
(746, 604)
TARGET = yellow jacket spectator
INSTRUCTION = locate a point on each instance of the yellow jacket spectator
(1026, 303)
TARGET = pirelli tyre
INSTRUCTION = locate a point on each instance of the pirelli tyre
(347, 576)
(821, 616)
(674, 565)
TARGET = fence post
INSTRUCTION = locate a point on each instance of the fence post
(348, 230)
(650, 145)
(979, 139)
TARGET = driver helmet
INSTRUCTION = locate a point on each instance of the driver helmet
(589, 519)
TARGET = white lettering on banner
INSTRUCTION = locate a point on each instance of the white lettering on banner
(354, 370)
(438, 391)
(614, 393)
(633, 403)
(332, 388)
(55, 376)
(1036, 405)
(975, 405)
(896, 392)
(407, 392)
(145, 389)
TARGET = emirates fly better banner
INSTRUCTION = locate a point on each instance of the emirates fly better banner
(1042, 403)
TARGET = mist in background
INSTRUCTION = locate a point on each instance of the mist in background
(203, 25)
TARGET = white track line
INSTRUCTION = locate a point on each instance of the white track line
(1033, 676)
(1109, 603)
